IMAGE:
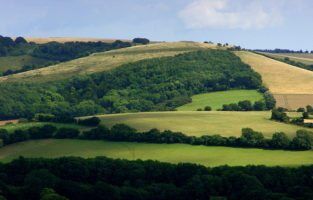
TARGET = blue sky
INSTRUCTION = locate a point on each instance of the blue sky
(249, 23)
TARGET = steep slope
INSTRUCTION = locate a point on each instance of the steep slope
(99, 62)
(286, 82)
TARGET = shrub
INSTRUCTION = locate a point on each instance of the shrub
(92, 121)
(302, 141)
(280, 141)
(207, 108)
(67, 133)
(101, 132)
(141, 41)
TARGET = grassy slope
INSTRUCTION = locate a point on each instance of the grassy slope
(281, 78)
(12, 127)
(201, 123)
(17, 62)
(99, 62)
(217, 99)
(298, 57)
(174, 153)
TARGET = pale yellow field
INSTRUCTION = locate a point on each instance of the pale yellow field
(281, 78)
(99, 62)
(39, 40)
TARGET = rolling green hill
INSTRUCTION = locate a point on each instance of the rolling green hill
(173, 153)
(200, 123)
(217, 99)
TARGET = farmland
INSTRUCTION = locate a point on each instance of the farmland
(173, 153)
(104, 61)
(305, 58)
(216, 99)
(201, 122)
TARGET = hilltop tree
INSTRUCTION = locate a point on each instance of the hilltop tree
(141, 41)
(20, 40)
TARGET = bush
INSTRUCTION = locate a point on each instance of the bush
(280, 141)
(67, 133)
(141, 41)
(101, 132)
(92, 121)
(301, 110)
(302, 141)
(207, 108)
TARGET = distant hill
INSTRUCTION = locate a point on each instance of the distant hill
(41, 40)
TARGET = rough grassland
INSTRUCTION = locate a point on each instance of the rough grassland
(12, 127)
(217, 99)
(104, 61)
(173, 153)
(17, 62)
(305, 58)
(202, 123)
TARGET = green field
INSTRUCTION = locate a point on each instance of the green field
(17, 62)
(217, 99)
(202, 123)
(173, 153)
(26, 125)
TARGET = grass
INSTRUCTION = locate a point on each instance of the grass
(26, 125)
(305, 58)
(216, 99)
(104, 61)
(173, 153)
(202, 123)
(17, 62)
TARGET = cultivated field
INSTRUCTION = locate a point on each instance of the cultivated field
(202, 123)
(282, 79)
(217, 99)
(173, 153)
(104, 61)
(306, 58)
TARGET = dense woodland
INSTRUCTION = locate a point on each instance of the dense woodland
(148, 85)
(104, 178)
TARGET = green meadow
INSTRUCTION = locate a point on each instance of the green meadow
(173, 153)
(217, 99)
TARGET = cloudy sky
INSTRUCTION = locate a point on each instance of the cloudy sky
(249, 23)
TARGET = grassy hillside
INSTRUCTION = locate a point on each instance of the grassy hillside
(281, 78)
(100, 62)
(173, 153)
(17, 62)
(12, 127)
(201, 122)
(217, 99)
(306, 58)
(291, 86)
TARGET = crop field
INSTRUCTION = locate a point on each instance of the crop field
(282, 79)
(217, 99)
(173, 153)
(104, 61)
(202, 122)
(17, 62)
(306, 58)
(26, 125)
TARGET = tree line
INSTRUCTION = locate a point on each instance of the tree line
(279, 114)
(158, 84)
(121, 132)
(103, 178)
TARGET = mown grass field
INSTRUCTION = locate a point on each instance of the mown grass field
(26, 125)
(104, 61)
(216, 100)
(173, 153)
(17, 62)
(202, 123)
(306, 58)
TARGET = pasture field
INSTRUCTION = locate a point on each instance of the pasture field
(17, 62)
(173, 153)
(306, 58)
(216, 100)
(26, 125)
(104, 61)
(200, 123)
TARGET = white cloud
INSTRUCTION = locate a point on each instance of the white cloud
(239, 14)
